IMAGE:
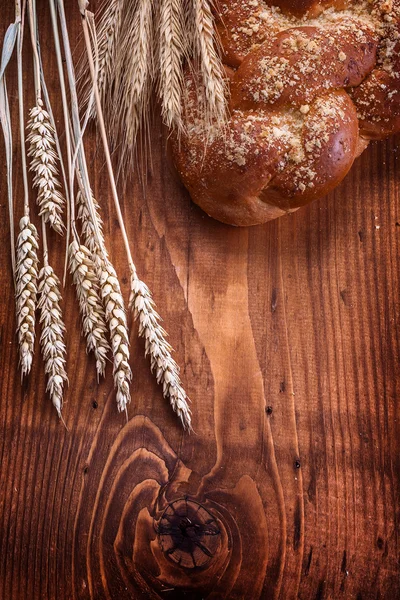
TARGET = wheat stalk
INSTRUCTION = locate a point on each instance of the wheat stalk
(109, 287)
(93, 317)
(156, 346)
(26, 280)
(167, 371)
(171, 50)
(12, 34)
(52, 337)
(43, 156)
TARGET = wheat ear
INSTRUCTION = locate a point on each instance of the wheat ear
(93, 318)
(42, 152)
(92, 242)
(26, 262)
(171, 52)
(156, 346)
(116, 317)
(210, 64)
(113, 302)
(52, 337)
(134, 72)
(26, 280)
(111, 295)
(108, 34)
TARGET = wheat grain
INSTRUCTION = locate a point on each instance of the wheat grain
(156, 346)
(171, 51)
(93, 318)
(52, 337)
(26, 280)
(43, 156)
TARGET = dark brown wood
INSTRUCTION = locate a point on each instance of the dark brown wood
(289, 339)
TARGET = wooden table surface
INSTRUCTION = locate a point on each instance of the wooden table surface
(288, 335)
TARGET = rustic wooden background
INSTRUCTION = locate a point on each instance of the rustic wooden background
(289, 339)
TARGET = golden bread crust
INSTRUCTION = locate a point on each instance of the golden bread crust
(310, 83)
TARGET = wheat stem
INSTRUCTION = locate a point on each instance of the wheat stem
(26, 263)
(36, 60)
(67, 128)
(78, 141)
(109, 284)
(10, 37)
(18, 11)
(43, 146)
(21, 111)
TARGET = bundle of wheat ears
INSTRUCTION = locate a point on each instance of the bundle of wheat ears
(137, 47)
(141, 47)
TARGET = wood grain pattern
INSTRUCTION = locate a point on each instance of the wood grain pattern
(289, 337)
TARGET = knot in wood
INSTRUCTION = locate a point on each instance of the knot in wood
(188, 533)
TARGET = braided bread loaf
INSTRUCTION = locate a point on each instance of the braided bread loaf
(311, 82)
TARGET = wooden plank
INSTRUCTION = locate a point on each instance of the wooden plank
(289, 337)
